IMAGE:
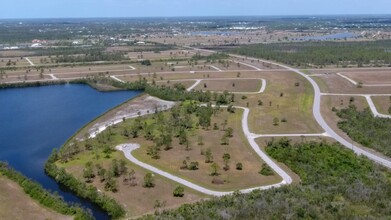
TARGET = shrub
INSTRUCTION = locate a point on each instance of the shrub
(179, 191)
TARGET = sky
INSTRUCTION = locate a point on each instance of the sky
(174, 8)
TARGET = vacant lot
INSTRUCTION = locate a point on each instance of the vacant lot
(238, 148)
(332, 83)
(231, 85)
(169, 54)
(370, 77)
(383, 103)
(136, 200)
(15, 204)
(288, 99)
(13, 62)
(169, 83)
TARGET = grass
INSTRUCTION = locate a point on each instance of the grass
(382, 104)
(283, 100)
(238, 148)
(230, 85)
(136, 200)
(15, 204)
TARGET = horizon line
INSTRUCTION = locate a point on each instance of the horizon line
(200, 16)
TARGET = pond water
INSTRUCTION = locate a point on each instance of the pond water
(35, 120)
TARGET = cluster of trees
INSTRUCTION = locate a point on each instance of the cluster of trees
(335, 183)
(82, 189)
(219, 57)
(44, 197)
(180, 94)
(307, 54)
(177, 123)
(363, 127)
(109, 177)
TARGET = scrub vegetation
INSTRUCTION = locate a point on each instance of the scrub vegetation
(335, 184)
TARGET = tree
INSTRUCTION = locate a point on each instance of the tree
(88, 172)
(101, 173)
(193, 165)
(153, 151)
(266, 170)
(224, 140)
(122, 168)
(148, 181)
(229, 132)
(276, 121)
(208, 156)
(239, 166)
(214, 169)
(179, 191)
(115, 168)
(111, 184)
(226, 158)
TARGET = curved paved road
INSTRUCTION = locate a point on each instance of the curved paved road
(128, 148)
(198, 81)
(319, 118)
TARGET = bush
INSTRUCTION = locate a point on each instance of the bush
(266, 170)
(239, 166)
(148, 181)
(179, 191)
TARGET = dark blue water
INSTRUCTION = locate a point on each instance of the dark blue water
(35, 120)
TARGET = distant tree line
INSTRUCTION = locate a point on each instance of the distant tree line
(321, 54)
(31, 84)
(42, 196)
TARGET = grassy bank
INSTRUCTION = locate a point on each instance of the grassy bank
(42, 196)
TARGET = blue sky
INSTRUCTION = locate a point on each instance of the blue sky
(165, 8)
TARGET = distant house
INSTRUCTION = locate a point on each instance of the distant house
(140, 43)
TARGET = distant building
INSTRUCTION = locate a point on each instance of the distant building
(140, 43)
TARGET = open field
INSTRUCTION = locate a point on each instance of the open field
(382, 103)
(169, 54)
(203, 75)
(16, 205)
(238, 148)
(230, 85)
(282, 100)
(186, 83)
(13, 62)
(370, 77)
(136, 200)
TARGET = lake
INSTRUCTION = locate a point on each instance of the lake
(36, 120)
